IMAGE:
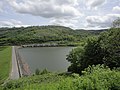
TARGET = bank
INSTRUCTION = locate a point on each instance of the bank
(19, 67)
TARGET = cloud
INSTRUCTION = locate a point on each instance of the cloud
(65, 22)
(101, 21)
(46, 8)
(116, 8)
(94, 4)
(1, 6)
(68, 2)
(71, 13)
(10, 23)
(60, 12)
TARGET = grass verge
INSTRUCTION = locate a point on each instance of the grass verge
(5, 62)
(93, 78)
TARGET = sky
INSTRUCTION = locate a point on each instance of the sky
(82, 14)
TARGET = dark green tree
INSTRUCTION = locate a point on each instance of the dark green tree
(102, 50)
(81, 58)
(75, 57)
(110, 43)
(93, 53)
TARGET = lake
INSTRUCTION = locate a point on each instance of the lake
(50, 58)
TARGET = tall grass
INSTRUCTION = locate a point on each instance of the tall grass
(5, 62)
(93, 78)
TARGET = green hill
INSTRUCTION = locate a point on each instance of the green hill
(43, 34)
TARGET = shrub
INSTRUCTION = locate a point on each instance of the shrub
(37, 71)
(94, 77)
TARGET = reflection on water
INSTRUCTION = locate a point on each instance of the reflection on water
(51, 58)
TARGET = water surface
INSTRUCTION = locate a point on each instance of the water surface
(51, 58)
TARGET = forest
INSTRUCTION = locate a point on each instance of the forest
(44, 34)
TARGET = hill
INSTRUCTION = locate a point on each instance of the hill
(43, 34)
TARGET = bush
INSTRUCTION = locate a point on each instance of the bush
(45, 71)
(37, 71)
(103, 78)
(94, 77)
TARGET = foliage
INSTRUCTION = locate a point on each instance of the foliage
(110, 43)
(45, 71)
(102, 78)
(38, 72)
(5, 63)
(74, 57)
(42, 34)
(104, 49)
(94, 78)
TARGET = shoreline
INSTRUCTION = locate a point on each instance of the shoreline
(23, 67)
(46, 45)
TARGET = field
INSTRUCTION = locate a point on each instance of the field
(5, 63)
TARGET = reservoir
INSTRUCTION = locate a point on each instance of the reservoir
(50, 58)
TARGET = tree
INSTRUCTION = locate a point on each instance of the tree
(102, 50)
(75, 56)
(110, 43)
(81, 58)
(93, 53)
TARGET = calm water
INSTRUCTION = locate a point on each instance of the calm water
(51, 58)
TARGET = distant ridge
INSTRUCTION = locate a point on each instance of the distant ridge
(43, 34)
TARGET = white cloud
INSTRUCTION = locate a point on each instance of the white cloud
(68, 2)
(10, 23)
(61, 12)
(46, 8)
(116, 8)
(94, 4)
(69, 22)
(101, 21)
(66, 12)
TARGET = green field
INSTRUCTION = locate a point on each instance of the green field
(5, 63)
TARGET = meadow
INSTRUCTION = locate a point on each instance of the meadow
(5, 62)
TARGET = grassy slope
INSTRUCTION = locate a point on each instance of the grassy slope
(5, 60)
(96, 79)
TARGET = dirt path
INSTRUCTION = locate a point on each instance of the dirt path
(14, 72)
